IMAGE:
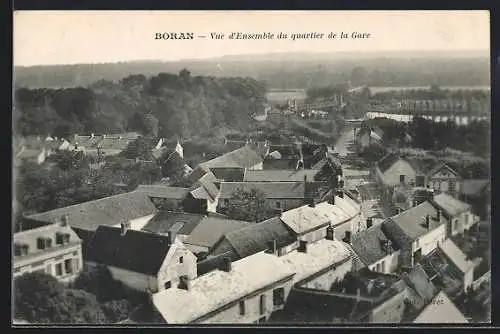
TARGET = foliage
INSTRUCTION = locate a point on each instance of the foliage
(373, 153)
(248, 205)
(139, 148)
(40, 298)
(165, 105)
(117, 310)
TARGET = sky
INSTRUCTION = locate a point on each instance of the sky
(71, 37)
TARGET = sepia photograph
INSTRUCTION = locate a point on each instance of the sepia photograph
(256, 168)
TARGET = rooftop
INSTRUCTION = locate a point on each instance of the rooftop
(254, 238)
(276, 175)
(243, 157)
(178, 222)
(127, 251)
(306, 218)
(211, 229)
(111, 210)
(441, 310)
(451, 206)
(369, 244)
(409, 225)
(211, 291)
(166, 192)
(277, 190)
(473, 187)
(456, 256)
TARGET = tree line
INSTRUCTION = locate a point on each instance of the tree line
(164, 105)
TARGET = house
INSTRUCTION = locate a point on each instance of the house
(309, 223)
(255, 238)
(50, 144)
(477, 192)
(460, 261)
(141, 260)
(375, 249)
(416, 232)
(246, 291)
(134, 208)
(209, 231)
(440, 310)
(420, 290)
(228, 174)
(204, 192)
(393, 170)
(165, 197)
(458, 214)
(102, 145)
(279, 196)
(180, 224)
(54, 249)
(243, 157)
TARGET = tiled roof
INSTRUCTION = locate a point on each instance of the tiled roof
(306, 218)
(160, 191)
(228, 174)
(165, 221)
(111, 210)
(422, 165)
(270, 164)
(207, 182)
(473, 187)
(29, 237)
(368, 244)
(284, 175)
(211, 229)
(450, 205)
(254, 238)
(441, 310)
(217, 288)
(454, 253)
(278, 190)
(409, 225)
(243, 157)
(137, 251)
(440, 165)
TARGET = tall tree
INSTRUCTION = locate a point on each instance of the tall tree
(248, 205)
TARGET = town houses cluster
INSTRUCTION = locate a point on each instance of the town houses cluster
(319, 259)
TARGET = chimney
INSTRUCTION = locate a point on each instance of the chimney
(330, 233)
(347, 237)
(340, 194)
(369, 222)
(226, 266)
(438, 215)
(91, 135)
(184, 282)
(302, 246)
(65, 220)
(272, 246)
(123, 229)
(427, 221)
(170, 237)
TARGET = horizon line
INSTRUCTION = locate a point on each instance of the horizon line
(358, 53)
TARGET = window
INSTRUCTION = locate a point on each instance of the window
(278, 296)
(181, 259)
(278, 205)
(262, 304)
(401, 178)
(67, 266)
(242, 307)
(168, 285)
(40, 242)
(59, 269)
(455, 224)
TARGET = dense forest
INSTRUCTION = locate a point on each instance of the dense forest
(285, 71)
(165, 105)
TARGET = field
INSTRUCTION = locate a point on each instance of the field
(282, 96)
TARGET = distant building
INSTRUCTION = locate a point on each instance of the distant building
(143, 261)
(460, 261)
(102, 145)
(54, 249)
(243, 157)
(165, 197)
